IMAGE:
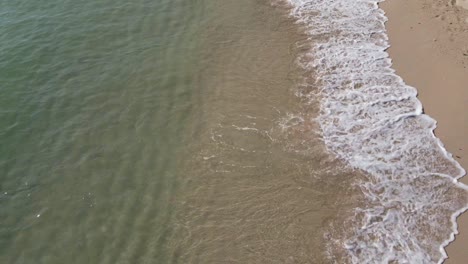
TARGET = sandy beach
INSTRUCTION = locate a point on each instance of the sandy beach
(429, 49)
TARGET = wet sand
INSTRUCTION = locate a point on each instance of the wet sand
(429, 48)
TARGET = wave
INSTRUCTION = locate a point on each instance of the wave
(374, 122)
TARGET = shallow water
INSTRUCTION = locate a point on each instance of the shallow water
(260, 187)
(159, 132)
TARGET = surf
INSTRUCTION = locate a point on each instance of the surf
(374, 122)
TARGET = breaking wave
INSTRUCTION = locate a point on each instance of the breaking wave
(374, 122)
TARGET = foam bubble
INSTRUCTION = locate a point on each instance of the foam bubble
(372, 120)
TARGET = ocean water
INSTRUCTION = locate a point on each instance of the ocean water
(207, 131)
(159, 132)
(96, 98)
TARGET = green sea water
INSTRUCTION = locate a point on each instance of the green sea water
(158, 132)
(95, 99)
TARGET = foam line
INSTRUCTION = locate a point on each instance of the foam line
(374, 122)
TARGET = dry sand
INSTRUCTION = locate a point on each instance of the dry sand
(429, 48)
(462, 3)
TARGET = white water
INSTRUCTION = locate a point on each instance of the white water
(373, 121)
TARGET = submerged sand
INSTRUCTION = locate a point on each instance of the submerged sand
(259, 186)
(429, 48)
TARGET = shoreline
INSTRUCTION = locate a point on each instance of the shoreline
(361, 94)
(427, 39)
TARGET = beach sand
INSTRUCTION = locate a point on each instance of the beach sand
(429, 48)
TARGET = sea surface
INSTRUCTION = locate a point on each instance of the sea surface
(212, 131)
(149, 132)
(96, 98)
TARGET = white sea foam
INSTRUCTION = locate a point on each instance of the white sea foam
(372, 120)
